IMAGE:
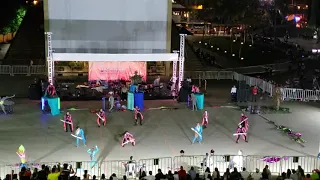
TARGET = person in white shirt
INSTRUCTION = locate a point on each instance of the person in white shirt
(245, 174)
(256, 175)
(233, 94)
(150, 176)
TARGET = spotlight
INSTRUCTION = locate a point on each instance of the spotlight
(225, 51)
(211, 46)
(182, 152)
(199, 42)
(233, 54)
(242, 58)
(218, 49)
(205, 43)
(234, 40)
(241, 42)
(250, 45)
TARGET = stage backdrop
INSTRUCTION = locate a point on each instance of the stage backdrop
(116, 70)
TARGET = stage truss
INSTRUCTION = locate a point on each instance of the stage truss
(177, 56)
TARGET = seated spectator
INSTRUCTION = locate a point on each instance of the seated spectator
(227, 174)
(103, 177)
(197, 177)
(42, 175)
(170, 176)
(159, 175)
(176, 175)
(294, 175)
(206, 172)
(235, 174)
(86, 176)
(142, 175)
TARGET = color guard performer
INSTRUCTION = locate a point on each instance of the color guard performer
(101, 118)
(79, 135)
(205, 119)
(92, 152)
(244, 121)
(241, 131)
(138, 115)
(128, 138)
(68, 123)
(197, 134)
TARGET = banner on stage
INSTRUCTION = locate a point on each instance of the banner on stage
(109, 70)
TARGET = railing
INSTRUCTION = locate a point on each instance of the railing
(199, 162)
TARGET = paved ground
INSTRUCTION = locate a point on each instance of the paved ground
(307, 45)
(163, 134)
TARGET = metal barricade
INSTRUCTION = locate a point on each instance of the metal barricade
(110, 167)
(251, 163)
(5, 69)
(189, 161)
(308, 164)
(37, 69)
(292, 94)
(221, 162)
(164, 163)
(19, 70)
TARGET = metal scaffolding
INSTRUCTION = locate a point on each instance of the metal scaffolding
(50, 60)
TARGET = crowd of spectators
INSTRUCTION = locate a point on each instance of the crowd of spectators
(67, 172)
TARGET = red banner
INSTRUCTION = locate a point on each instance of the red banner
(116, 70)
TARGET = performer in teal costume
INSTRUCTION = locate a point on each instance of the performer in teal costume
(197, 134)
(92, 152)
(80, 135)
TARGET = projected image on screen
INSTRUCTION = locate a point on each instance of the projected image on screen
(116, 70)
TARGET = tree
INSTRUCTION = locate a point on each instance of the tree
(5, 31)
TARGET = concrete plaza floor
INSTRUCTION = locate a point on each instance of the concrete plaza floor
(163, 133)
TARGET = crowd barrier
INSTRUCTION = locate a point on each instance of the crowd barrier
(199, 162)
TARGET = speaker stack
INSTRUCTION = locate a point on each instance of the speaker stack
(243, 92)
(34, 92)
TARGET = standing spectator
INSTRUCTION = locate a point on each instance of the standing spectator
(235, 175)
(65, 174)
(150, 176)
(256, 175)
(254, 94)
(182, 174)
(192, 173)
(266, 174)
(294, 175)
(245, 174)
(300, 173)
(86, 176)
(227, 174)
(206, 172)
(34, 174)
(197, 177)
(42, 175)
(159, 175)
(194, 102)
(233, 94)
(170, 176)
(103, 177)
(142, 175)
(54, 175)
(176, 175)
(216, 174)
(288, 173)
(124, 92)
(25, 174)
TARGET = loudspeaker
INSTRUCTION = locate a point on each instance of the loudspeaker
(155, 162)
(295, 159)
(242, 85)
(78, 165)
(226, 158)
(242, 95)
(34, 92)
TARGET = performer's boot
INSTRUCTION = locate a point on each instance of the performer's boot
(136, 122)
(245, 139)
(140, 122)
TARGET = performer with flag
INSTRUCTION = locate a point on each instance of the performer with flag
(101, 117)
(67, 122)
(128, 138)
(79, 135)
(244, 121)
(205, 119)
(197, 134)
(241, 131)
(22, 156)
(138, 115)
(92, 152)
